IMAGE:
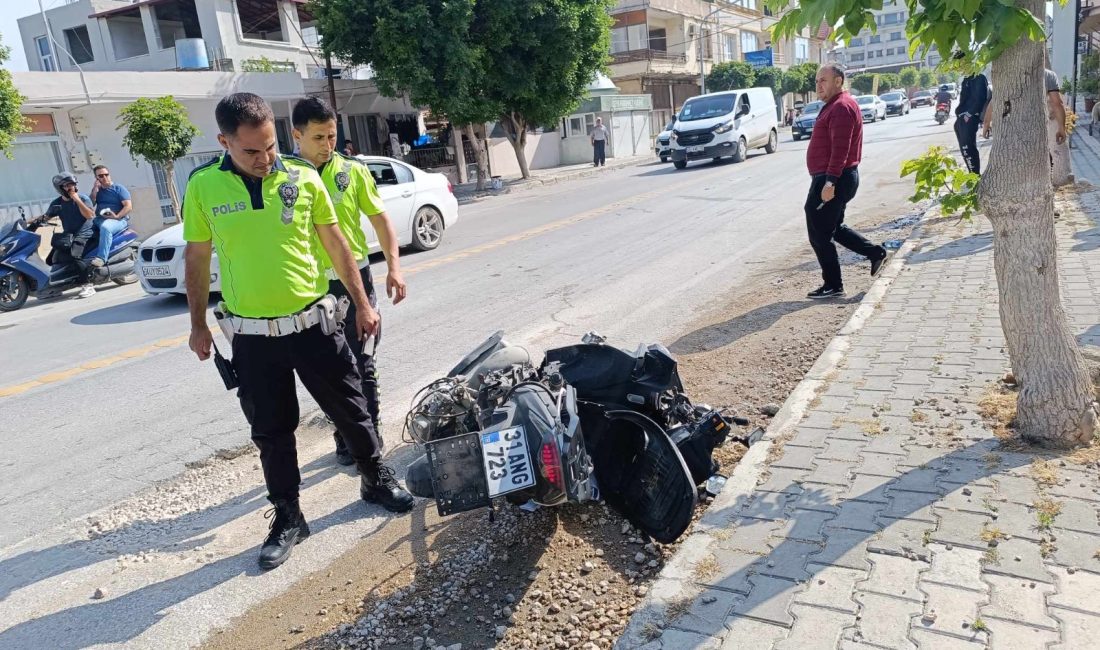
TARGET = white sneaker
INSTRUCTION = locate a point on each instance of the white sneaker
(87, 291)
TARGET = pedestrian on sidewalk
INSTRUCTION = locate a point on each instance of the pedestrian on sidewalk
(599, 143)
(833, 156)
(353, 192)
(973, 100)
(270, 214)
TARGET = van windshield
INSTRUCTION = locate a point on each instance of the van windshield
(702, 108)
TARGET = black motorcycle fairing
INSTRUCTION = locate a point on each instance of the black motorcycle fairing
(478, 354)
(640, 471)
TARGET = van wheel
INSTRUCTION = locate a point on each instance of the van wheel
(664, 159)
(679, 164)
(742, 151)
(773, 142)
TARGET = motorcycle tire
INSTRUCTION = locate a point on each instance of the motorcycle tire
(129, 278)
(14, 291)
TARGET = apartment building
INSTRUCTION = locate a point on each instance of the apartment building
(661, 47)
(887, 49)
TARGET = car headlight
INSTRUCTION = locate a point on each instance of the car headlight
(724, 127)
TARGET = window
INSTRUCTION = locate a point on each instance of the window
(856, 57)
(875, 39)
(261, 21)
(745, 105)
(878, 53)
(729, 47)
(78, 43)
(127, 35)
(856, 42)
(801, 49)
(619, 40)
(627, 39)
(870, 54)
(576, 126)
(173, 21)
(385, 173)
(26, 176)
(181, 172)
(896, 36)
(45, 54)
(747, 4)
(748, 42)
(658, 40)
(311, 35)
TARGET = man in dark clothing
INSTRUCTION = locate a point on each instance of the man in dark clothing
(944, 96)
(968, 116)
(833, 156)
(77, 218)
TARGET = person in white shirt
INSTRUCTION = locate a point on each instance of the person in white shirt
(599, 143)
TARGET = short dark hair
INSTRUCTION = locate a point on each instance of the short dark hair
(242, 108)
(837, 69)
(311, 109)
(99, 167)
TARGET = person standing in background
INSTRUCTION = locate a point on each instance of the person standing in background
(598, 138)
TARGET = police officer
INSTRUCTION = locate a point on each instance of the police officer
(268, 214)
(352, 190)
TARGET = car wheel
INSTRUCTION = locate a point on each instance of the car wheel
(742, 151)
(796, 137)
(427, 229)
(664, 159)
(679, 164)
(773, 142)
(14, 291)
(129, 278)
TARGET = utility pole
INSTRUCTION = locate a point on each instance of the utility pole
(332, 101)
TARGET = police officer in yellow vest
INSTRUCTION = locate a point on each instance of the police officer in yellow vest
(265, 212)
(353, 193)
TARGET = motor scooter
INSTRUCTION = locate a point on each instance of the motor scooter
(23, 272)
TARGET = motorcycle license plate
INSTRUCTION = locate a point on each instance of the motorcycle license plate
(696, 149)
(156, 271)
(508, 465)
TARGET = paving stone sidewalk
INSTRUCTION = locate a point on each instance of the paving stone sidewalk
(885, 513)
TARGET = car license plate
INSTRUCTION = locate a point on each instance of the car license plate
(156, 271)
(696, 149)
(508, 464)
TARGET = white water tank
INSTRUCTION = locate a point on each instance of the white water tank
(191, 54)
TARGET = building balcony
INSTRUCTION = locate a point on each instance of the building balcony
(648, 55)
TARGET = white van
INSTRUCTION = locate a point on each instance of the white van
(725, 124)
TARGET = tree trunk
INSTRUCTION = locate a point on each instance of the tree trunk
(516, 128)
(1056, 401)
(173, 192)
(1061, 171)
(460, 155)
(482, 156)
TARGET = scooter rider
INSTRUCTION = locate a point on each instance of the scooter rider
(353, 193)
(268, 214)
(77, 215)
(944, 97)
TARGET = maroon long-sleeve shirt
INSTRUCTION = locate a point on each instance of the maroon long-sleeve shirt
(837, 140)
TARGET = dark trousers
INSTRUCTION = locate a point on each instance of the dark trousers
(266, 366)
(826, 225)
(967, 135)
(599, 152)
(367, 370)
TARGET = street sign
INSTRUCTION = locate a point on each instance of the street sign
(759, 58)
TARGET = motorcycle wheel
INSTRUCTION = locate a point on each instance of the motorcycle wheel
(129, 278)
(14, 291)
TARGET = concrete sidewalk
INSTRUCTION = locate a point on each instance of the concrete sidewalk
(468, 193)
(881, 511)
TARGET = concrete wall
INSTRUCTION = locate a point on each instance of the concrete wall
(542, 151)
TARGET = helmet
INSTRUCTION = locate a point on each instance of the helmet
(61, 180)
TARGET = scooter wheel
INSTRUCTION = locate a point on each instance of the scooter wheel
(14, 291)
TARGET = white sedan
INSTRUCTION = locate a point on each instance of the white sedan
(421, 205)
(873, 108)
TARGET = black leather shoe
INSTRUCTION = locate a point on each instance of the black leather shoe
(288, 528)
(876, 265)
(343, 456)
(825, 292)
(379, 485)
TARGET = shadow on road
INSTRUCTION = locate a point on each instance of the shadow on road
(142, 309)
(722, 334)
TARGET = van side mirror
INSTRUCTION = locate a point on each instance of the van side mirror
(743, 109)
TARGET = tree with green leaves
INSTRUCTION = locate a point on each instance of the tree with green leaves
(908, 77)
(1056, 404)
(926, 78)
(160, 132)
(803, 79)
(12, 122)
(861, 84)
(887, 81)
(770, 77)
(729, 75)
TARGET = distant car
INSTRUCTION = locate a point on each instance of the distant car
(922, 98)
(953, 88)
(872, 107)
(663, 146)
(803, 125)
(896, 103)
(420, 204)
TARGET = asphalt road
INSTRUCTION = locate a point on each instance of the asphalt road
(633, 253)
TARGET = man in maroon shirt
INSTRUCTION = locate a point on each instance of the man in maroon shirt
(833, 160)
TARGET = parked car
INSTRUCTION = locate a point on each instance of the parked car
(663, 146)
(922, 98)
(896, 103)
(804, 124)
(723, 124)
(421, 205)
(872, 107)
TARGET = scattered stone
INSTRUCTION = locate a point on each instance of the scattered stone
(501, 631)
(639, 558)
(770, 409)
(418, 643)
(929, 618)
(297, 629)
(100, 594)
(710, 599)
(587, 567)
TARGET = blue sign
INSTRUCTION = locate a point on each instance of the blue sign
(759, 58)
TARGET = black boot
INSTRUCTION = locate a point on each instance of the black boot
(343, 456)
(378, 485)
(288, 527)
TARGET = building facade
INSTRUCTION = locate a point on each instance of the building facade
(887, 49)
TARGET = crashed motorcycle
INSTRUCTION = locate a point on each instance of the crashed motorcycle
(942, 112)
(591, 422)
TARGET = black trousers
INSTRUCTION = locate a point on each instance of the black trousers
(599, 152)
(266, 366)
(368, 373)
(967, 135)
(825, 225)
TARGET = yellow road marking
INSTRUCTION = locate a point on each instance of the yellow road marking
(96, 364)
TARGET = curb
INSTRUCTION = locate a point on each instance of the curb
(520, 185)
(677, 585)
